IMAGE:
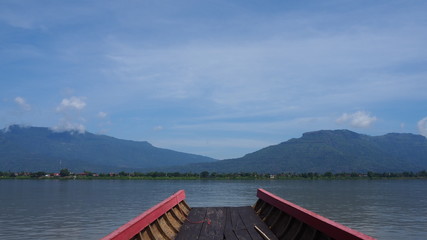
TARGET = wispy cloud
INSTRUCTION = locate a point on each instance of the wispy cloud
(337, 69)
(231, 147)
(102, 114)
(66, 126)
(359, 119)
(158, 128)
(76, 103)
(422, 126)
(221, 69)
(261, 127)
(22, 103)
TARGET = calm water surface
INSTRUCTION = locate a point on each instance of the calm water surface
(90, 209)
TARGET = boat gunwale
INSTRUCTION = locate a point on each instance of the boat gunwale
(136, 225)
(322, 224)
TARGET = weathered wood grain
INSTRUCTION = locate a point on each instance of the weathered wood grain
(223, 223)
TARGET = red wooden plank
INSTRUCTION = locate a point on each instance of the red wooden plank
(135, 225)
(327, 226)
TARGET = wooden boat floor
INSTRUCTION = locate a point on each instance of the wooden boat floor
(230, 223)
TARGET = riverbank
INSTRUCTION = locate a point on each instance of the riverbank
(66, 175)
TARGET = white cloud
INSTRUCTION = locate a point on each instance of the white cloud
(359, 119)
(77, 103)
(8, 127)
(422, 126)
(158, 128)
(102, 114)
(66, 126)
(22, 103)
(71, 120)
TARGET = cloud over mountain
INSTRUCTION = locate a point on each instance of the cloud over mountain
(69, 109)
(359, 119)
(422, 126)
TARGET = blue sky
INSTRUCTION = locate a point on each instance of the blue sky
(217, 78)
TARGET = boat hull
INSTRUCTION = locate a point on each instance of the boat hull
(162, 221)
(290, 221)
(270, 218)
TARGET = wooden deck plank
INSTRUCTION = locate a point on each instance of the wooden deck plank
(239, 228)
(229, 233)
(214, 229)
(192, 227)
(250, 219)
(229, 223)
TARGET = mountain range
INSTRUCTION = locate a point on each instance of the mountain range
(41, 149)
(330, 151)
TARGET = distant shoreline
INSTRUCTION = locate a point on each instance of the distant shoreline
(66, 175)
(213, 179)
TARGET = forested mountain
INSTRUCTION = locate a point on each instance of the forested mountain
(40, 149)
(330, 151)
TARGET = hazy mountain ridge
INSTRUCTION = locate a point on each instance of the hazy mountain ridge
(37, 148)
(330, 150)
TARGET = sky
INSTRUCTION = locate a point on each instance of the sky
(217, 78)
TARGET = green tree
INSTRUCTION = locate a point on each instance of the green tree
(38, 174)
(64, 172)
(204, 174)
(328, 174)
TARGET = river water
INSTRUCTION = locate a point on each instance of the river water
(90, 209)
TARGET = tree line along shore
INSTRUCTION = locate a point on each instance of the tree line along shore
(66, 174)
